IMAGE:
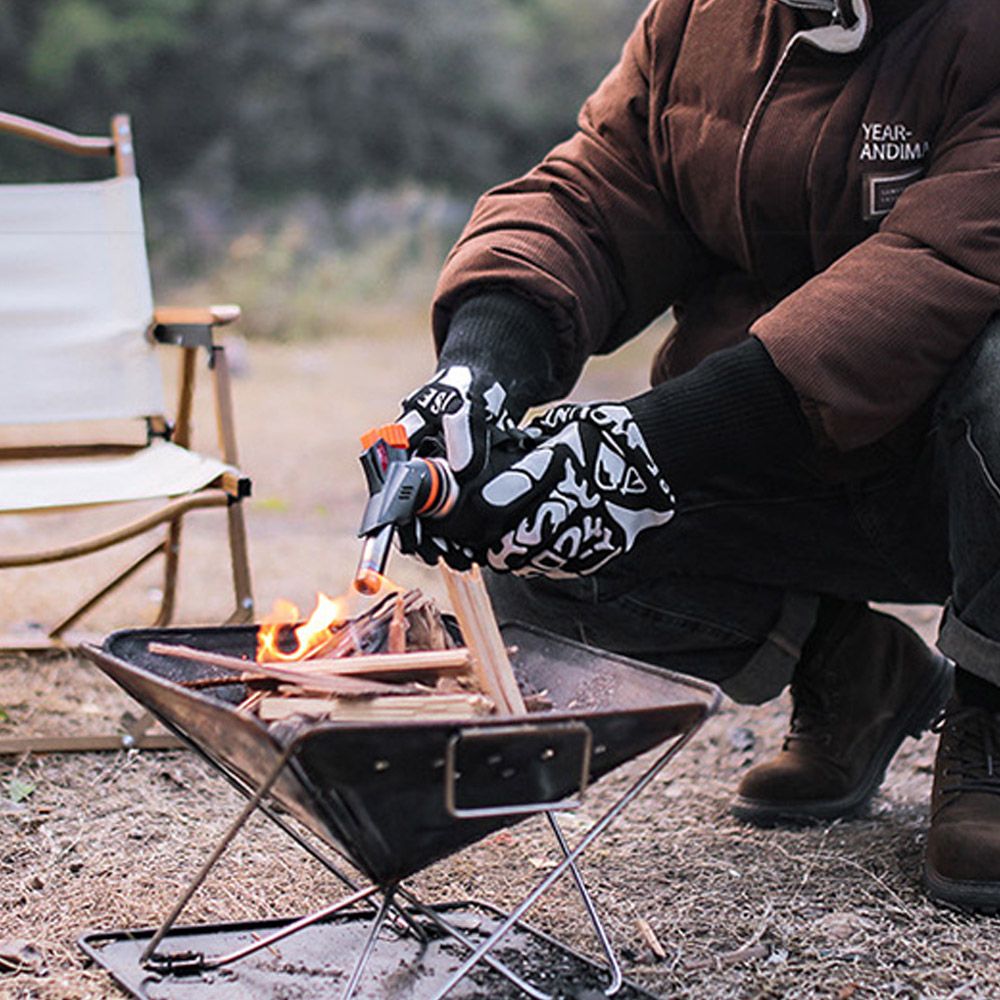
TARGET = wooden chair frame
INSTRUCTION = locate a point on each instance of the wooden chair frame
(190, 330)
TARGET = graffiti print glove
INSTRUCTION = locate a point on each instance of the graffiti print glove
(576, 500)
(592, 482)
(496, 361)
(462, 412)
(581, 497)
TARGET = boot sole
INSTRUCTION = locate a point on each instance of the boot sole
(915, 723)
(964, 896)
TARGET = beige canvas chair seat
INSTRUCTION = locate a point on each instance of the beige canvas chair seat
(81, 347)
(160, 470)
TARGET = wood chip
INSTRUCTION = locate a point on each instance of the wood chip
(397, 628)
(652, 942)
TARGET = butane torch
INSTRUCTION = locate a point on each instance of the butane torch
(400, 487)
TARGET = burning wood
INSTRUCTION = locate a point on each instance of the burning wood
(397, 660)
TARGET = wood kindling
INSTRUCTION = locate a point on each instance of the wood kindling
(472, 607)
(429, 662)
(396, 661)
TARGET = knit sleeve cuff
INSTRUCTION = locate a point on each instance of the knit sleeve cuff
(734, 410)
(510, 338)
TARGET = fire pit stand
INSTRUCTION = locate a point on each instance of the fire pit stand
(392, 798)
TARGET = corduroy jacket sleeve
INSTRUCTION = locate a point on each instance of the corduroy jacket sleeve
(901, 307)
(592, 234)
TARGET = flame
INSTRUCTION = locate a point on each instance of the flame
(280, 640)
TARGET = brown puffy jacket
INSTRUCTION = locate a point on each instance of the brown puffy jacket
(833, 189)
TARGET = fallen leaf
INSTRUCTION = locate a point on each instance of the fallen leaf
(18, 791)
(841, 925)
(277, 505)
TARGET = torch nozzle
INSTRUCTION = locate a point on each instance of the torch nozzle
(371, 565)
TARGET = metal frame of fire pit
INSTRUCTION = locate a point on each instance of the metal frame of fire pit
(398, 903)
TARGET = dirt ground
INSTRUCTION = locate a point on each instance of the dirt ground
(104, 841)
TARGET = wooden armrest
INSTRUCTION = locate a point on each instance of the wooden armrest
(205, 316)
(49, 135)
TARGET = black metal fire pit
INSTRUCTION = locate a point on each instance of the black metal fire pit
(394, 797)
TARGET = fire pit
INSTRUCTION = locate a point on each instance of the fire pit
(394, 797)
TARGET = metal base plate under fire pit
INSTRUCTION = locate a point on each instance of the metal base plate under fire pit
(316, 962)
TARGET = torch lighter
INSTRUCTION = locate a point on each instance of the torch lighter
(400, 487)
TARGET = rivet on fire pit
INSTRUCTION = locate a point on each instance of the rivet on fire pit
(508, 772)
(600, 748)
(548, 753)
(381, 765)
(494, 759)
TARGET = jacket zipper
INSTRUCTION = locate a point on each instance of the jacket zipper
(744, 149)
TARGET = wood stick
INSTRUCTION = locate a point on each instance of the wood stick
(490, 633)
(273, 708)
(250, 702)
(345, 686)
(490, 664)
(418, 662)
(397, 627)
(648, 935)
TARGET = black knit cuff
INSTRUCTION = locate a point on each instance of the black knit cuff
(511, 339)
(734, 410)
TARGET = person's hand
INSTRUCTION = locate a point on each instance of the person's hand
(461, 412)
(574, 501)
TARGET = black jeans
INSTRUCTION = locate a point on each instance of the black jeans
(728, 590)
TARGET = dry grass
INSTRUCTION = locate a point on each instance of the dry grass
(103, 841)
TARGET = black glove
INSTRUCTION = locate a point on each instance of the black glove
(461, 413)
(578, 498)
(496, 361)
(591, 482)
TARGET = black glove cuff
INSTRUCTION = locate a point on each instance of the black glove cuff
(734, 410)
(509, 338)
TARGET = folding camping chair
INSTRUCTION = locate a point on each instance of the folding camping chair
(80, 375)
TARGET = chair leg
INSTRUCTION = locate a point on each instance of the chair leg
(172, 554)
(241, 565)
(77, 613)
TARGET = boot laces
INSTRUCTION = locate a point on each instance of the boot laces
(970, 750)
(812, 712)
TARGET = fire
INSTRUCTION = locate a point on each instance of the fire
(279, 639)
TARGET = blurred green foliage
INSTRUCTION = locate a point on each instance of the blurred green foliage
(309, 159)
(260, 98)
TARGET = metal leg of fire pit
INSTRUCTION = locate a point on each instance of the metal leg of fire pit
(290, 929)
(190, 963)
(614, 968)
(388, 892)
(569, 859)
(279, 821)
(209, 864)
(454, 932)
(388, 906)
(245, 789)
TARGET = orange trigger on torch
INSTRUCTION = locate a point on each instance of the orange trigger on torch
(394, 435)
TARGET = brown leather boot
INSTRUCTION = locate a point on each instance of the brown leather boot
(865, 681)
(962, 860)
